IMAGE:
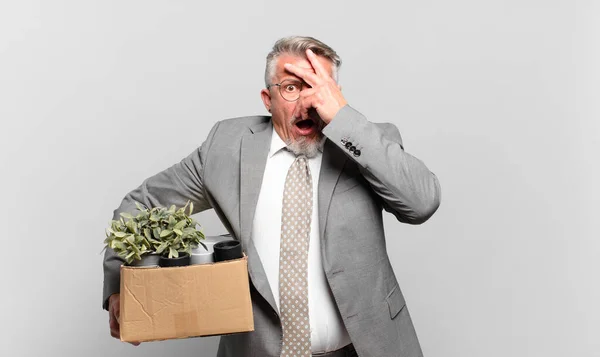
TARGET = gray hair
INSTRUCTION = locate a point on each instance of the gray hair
(297, 46)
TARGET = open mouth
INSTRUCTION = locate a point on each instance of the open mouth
(305, 127)
(305, 124)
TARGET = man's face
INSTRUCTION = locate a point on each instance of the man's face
(302, 136)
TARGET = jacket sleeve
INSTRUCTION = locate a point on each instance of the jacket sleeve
(176, 185)
(406, 186)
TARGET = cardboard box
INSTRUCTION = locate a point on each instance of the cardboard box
(180, 302)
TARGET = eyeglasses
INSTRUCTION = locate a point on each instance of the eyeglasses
(289, 89)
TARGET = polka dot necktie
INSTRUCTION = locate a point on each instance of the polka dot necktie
(293, 260)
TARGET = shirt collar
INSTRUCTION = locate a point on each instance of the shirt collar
(278, 144)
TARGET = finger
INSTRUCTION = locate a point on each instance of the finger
(318, 67)
(115, 330)
(116, 312)
(312, 79)
(308, 92)
(311, 98)
(113, 320)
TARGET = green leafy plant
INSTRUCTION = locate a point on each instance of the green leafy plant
(167, 232)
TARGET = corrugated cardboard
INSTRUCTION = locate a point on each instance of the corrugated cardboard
(180, 302)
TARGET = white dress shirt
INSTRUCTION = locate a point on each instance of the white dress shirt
(328, 332)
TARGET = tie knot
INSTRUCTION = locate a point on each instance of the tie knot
(300, 160)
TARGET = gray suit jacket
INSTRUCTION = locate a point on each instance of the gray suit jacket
(225, 174)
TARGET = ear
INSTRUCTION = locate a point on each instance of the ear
(265, 95)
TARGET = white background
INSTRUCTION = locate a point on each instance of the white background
(498, 98)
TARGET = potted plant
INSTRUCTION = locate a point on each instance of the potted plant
(170, 234)
(177, 233)
(129, 241)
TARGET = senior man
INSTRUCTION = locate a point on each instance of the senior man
(303, 190)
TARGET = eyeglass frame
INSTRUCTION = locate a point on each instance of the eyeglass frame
(302, 84)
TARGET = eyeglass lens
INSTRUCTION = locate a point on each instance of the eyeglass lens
(290, 89)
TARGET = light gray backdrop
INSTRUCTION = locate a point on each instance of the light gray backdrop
(499, 98)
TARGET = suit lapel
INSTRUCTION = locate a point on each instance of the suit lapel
(254, 151)
(332, 164)
(255, 148)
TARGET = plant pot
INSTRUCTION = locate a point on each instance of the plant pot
(227, 250)
(182, 260)
(210, 241)
(147, 261)
(201, 256)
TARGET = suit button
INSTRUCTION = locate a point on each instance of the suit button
(356, 152)
(352, 148)
(348, 144)
(344, 141)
